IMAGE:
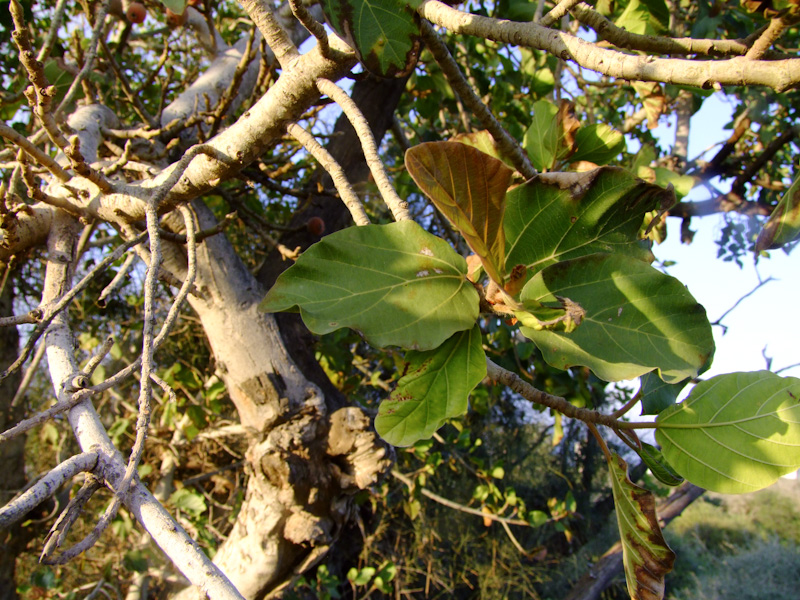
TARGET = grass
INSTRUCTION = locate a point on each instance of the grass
(744, 547)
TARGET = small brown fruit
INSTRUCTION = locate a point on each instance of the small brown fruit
(136, 12)
(175, 19)
(316, 226)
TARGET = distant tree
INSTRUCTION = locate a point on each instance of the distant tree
(164, 163)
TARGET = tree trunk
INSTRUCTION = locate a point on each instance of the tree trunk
(12, 453)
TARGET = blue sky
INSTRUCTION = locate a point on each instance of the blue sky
(764, 321)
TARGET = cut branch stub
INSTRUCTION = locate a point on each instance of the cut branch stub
(469, 188)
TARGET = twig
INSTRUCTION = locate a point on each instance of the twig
(58, 532)
(88, 59)
(334, 169)
(558, 11)
(35, 153)
(119, 278)
(527, 391)
(507, 145)
(66, 299)
(42, 96)
(313, 26)
(30, 317)
(55, 25)
(774, 31)
(28, 376)
(739, 301)
(455, 505)
(398, 207)
(46, 487)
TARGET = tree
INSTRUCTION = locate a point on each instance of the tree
(123, 143)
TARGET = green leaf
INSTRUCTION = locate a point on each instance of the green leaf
(543, 137)
(783, 225)
(659, 467)
(598, 143)
(656, 394)
(188, 501)
(646, 557)
(384, 33)
(434, 388)
(735, 433)
(636, 319)
(396, 284)
(176, 6)
(648, 17)
(682, 184)
(468, 187)
(576, 214)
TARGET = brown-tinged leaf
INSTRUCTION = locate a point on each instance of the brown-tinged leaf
(653, 100)
(569, 125)
(783, 225)
(469, 188)
(645, 554)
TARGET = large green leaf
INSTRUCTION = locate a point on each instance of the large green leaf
(735, 433)
(636, 319)
(468, 187)
(384, 33)
(598, 143)
(600, 211)
(396, 284)
(434, 388)
(645, 554)
(783, 225)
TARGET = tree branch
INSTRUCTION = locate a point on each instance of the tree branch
(779, 75)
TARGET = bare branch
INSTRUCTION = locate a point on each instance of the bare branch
(313, 26)
(334, 169)
(557, 12)
(398, 206)
(46, 487)
(507, 145)
(773, 32)
(455, 505)
(779, 75)
(35, 153)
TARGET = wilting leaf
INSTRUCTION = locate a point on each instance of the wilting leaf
(597, 143)
(658, 466)
(783, 225)
(645, 554)
(653, 100)
(656, 394)
(735, 433)
(396, 284)
(435, 388)
(384, 33)
(636, 319)
(468, 187)
(566, 215)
